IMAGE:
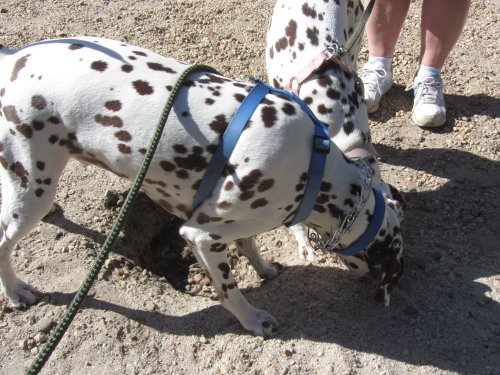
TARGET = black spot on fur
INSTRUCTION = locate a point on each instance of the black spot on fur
(142, 87)
(219, 124)
(99, 66)
(249, 181)
(127, 68)
(312, 35)
(269, 116)
(308, 11)
(113, 105)
(113, 121)
(348, 127)
(38, 102)
(224, 267)
(191, 162)
(167, 166)
(288, 109)
(159, 67)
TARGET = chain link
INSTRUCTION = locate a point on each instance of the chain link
(332, 242)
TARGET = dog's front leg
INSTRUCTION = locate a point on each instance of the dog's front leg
(212, 256)
(265, 269)
(306, 252)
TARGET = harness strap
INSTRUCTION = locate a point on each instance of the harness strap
(328, 53)
(373, 228)
(228, 142)
(320, 149)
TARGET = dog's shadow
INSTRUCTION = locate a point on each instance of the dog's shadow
(442, 311)
(432, 328)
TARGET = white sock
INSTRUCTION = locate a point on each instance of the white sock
(425, 71)
(381, 62)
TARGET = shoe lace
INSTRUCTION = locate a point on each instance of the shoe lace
(372, 77)
(427, 90)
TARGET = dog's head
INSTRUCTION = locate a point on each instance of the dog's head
(383, 260)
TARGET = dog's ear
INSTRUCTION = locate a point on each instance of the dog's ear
(397, 196)
(396, 202)
(386, 281)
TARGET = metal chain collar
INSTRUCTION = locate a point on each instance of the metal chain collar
(331, 243)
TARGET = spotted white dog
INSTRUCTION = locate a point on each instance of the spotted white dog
(301, 56)
(98, 100)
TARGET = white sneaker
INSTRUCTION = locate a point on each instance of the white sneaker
(377, 81)
(429, 109)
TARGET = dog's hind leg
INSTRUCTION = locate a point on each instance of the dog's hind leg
(265, 269)
(28, 190)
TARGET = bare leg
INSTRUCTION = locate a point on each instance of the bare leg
(384, 25)
(441, 25)
(382, 29)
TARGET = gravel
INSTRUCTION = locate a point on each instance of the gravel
(152, 310)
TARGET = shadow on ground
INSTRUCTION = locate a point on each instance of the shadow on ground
(441, 311)
(457, 107)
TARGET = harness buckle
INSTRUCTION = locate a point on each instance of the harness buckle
(321, 144)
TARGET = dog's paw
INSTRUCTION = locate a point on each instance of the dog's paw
(270, 270)
(22, 296)
(262, 324)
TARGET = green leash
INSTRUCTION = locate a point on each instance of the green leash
(77, 301)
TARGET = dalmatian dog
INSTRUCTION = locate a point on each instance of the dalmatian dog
(302, 56)
(98, 101)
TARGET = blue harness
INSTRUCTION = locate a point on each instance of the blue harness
(320, 150)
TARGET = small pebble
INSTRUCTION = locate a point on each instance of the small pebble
(150, 306)
(44, 325)
(40, 338)
(23, 344)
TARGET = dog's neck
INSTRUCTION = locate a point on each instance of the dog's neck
(340, 192)
(345, 114)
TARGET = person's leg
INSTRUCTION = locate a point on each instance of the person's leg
(441, 24)
(384, 25)
(382, 30)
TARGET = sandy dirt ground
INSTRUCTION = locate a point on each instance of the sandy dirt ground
(152, 310)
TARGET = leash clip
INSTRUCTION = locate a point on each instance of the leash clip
(335, 49)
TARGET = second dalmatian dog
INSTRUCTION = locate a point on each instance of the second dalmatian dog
(302, 56)
(98, 101)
